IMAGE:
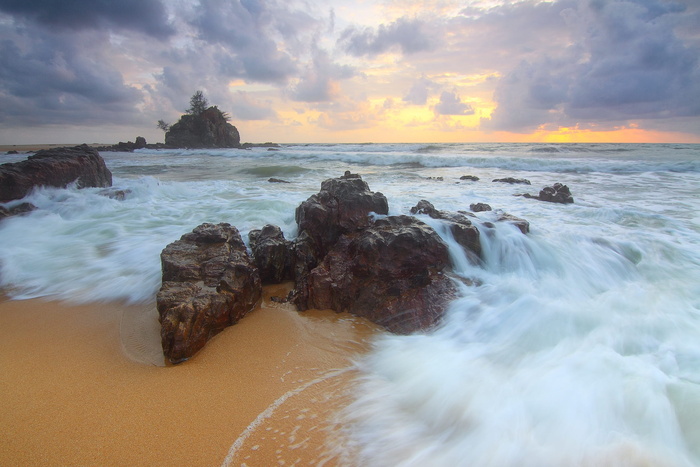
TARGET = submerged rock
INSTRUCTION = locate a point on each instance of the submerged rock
(209, 283)
(464, 233)
(511, 180)
(55, 168)
(557, 193)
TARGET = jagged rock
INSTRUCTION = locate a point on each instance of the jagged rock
(54, 167)
(472, 178)
(206, 130)
(391, 273)
(464, 233)
(342, 206)
(512, 180)
(557, 193)
(209, 283)
(479, 207)
(272, 254)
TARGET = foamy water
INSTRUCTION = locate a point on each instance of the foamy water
(579, 346)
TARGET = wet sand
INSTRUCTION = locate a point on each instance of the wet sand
(260, 393)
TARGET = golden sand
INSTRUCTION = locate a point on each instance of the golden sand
(260, 393)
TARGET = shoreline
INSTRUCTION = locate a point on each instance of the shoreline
(24, 148)
(262, 391)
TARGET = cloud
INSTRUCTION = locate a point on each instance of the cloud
(319, 81)
(52, 80)
(451, 104)
(626, 62)
(146, 16)
(418, 94)
(408, 35)
(246, 107)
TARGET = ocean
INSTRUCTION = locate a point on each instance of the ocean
(578, 345)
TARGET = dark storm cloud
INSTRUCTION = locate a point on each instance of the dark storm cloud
(146, 16)
(408, 35)
(623, 61)
(245, 29)
(53, 80)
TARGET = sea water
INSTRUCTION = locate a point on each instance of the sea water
(577, 345)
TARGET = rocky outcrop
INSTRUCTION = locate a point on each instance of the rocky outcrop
(342, 206)
(392, 273)
(16, 210)
(56, 168)
(209, 283)
(392, 270)
(208, 129)
(557, 193)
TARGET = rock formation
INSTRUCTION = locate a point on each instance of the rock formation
(349, 255)
(56, 168)
(209, 283)
(208, 129)
(557, 193)
(392, 273)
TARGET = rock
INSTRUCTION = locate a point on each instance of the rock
(272, 254)
(342, 206)
(464, 233)
(472, 178)
(512, 180)
(209, 283)
(277, 180)
(391, 273)
(54, 167)
(140, 142)
(206, 130)
(16, 210)
(521, 224)
(479, 207)
(556, 193)
(12, 151)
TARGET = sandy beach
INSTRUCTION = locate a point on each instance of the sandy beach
(260, 393)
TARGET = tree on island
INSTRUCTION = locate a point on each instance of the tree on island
(202, 126)
(198, 103)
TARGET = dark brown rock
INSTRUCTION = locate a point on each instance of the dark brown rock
(56, 168)
(392, 273)
(479, 207)
(557, 193)
(472, 178)
(342, 206)
(272, 254)
(209, 283)
(521, 224)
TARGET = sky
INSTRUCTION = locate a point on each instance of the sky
(314, 71)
